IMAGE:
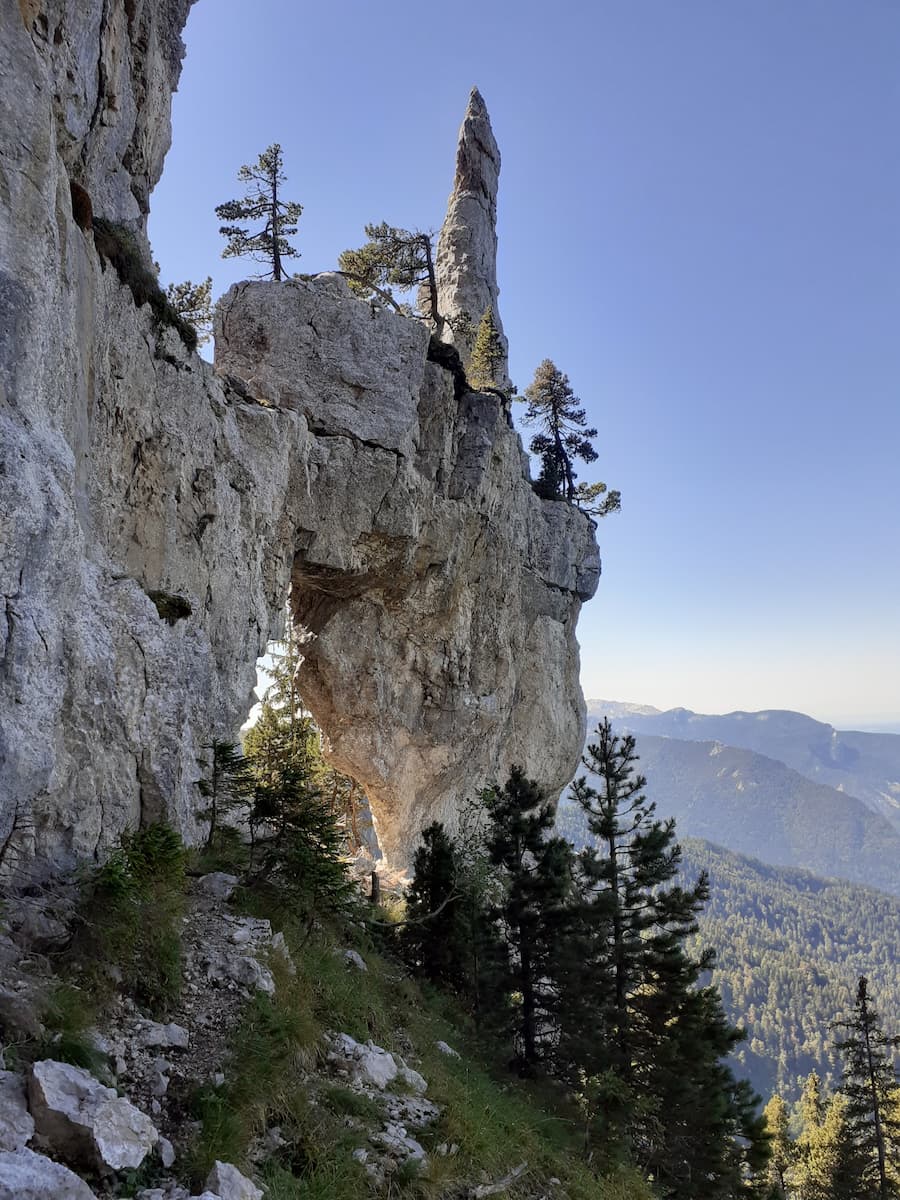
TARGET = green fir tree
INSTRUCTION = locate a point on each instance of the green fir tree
(486, 362)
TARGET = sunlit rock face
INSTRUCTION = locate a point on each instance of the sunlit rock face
(441, 592)
(154, 511)
(466, 257)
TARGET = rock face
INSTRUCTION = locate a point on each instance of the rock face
(466, 258)
(439, 594)
(154, 511)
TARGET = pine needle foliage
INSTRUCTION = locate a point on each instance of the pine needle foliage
(393, 258)
(193, 304)
(268, 243)
(486, 361)
(869, 1087)
(563, 436)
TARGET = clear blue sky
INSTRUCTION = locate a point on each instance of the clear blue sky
(699, 222)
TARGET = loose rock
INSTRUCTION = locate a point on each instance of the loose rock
(16, 1124)
(25, 1175)
(83, 1121)
(227, 1182)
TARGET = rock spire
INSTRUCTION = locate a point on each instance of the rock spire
(466, 259)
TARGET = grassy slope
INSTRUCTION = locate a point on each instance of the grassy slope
(497, 1121)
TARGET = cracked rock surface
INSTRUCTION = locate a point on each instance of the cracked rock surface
(154, 510)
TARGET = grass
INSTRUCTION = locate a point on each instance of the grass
(496, 1120)
(128, 929)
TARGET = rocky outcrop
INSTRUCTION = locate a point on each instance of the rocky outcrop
(437, 594)
(154, 511)
(466, 258)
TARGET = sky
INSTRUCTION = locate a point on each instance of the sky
(699, 222)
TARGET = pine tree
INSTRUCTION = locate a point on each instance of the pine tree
(433, 938)
(777, 1120)
(193, 303)
(533, 911)
(661, 1035)
(562, 436)
(830, 1165)
(487, 359)
(869, 1084)
(394, 257)
(269, 243)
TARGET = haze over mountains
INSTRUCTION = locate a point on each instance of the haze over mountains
(866, 765)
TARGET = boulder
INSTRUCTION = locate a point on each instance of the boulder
(25, 1175)
(367, 1063)
(85, 1122)
(16, 1124)
(217, 884)
(227, 1182)
(445, 1049)
(151, 1034)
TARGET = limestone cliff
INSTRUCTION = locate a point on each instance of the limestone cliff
(154, 510)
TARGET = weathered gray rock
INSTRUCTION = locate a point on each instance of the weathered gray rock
(16, 1124)
(153, 512)
(466, 258)
(441, 594)
(172, 1036)
(447, 1049)
(352, 958)
(228, 1183)
(395, 1139)
(219, 884)
(366, 1063)
(83, 1121)
(25, 1175)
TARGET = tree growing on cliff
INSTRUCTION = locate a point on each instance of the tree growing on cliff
(393, 258)
(268, 243)
(193, 303)
(487, 357)
(563, 435)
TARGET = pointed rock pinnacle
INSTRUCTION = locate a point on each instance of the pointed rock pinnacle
(466, 258)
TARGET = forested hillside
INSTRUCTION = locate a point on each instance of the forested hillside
(866, 765)
(758, 806)
(790, 948)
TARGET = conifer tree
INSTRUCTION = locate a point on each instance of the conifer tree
(486, 361)
(433, 937)
(663, 1035)
(228, 785)
(869, 1085)
(394, 257)
(777, 1120)
(830, 1165)
(193, 303)
(533, 911)
(562, 436)
(262, 201)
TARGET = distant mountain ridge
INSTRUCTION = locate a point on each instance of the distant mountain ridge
(865, 765)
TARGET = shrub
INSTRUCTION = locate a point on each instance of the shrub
(130, 921)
